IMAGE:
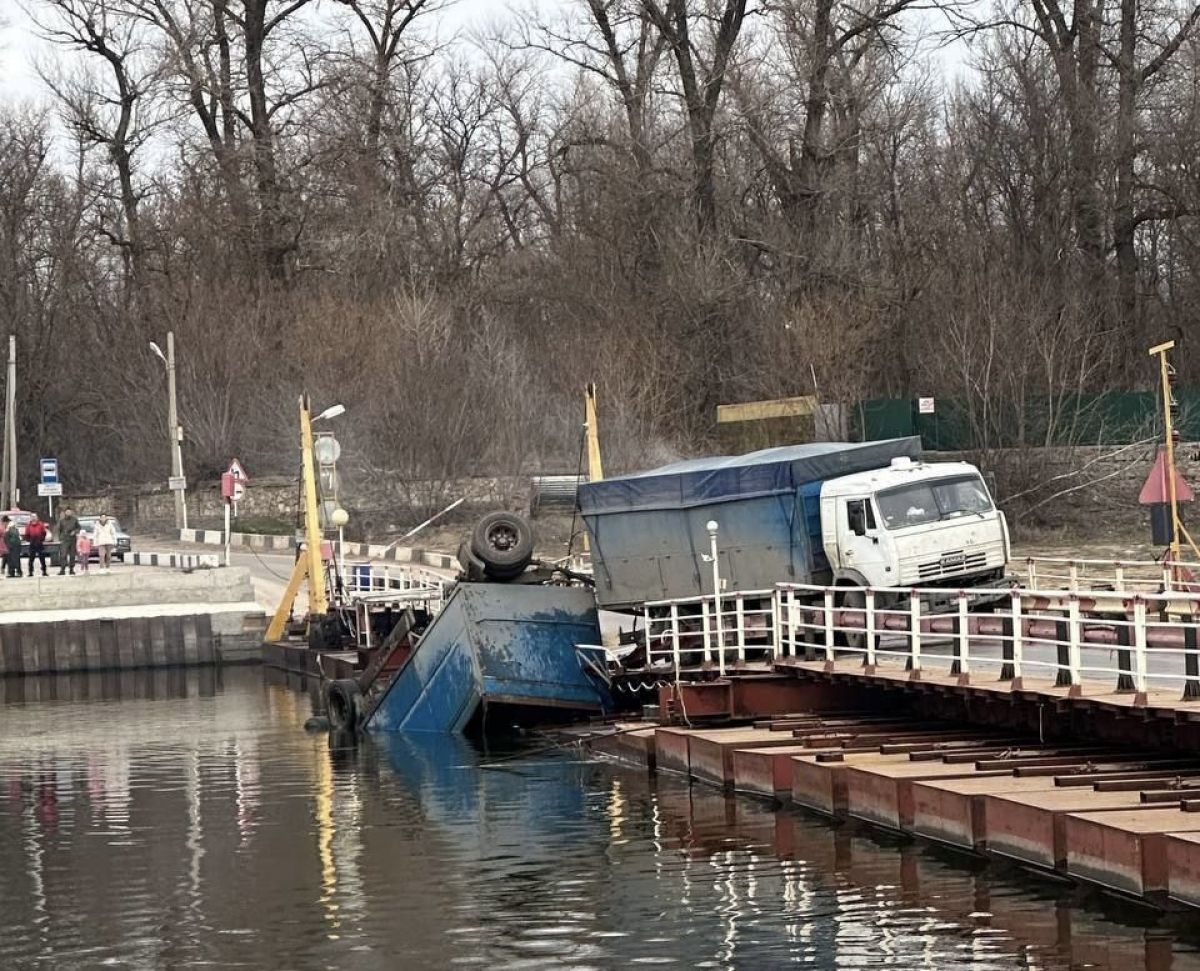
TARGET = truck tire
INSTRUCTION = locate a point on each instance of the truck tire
(853, 598)
(503, 541)
(344, 705)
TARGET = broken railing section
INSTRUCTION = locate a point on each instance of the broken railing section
(1094, 640)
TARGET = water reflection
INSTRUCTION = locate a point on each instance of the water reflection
(151, 821)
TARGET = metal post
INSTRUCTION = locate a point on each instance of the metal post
(1075, 628)
(1006, 647)
(674, 638)
(1018, 636)
(228, 544)
(869, 622)
(1124, 632)
(830, 655)
(1139, 645)
(1169, 434)
(791, 627)
(777, 623)
(1031, 572)
(173, 434)
(1191, 664)
(1062, 639)
(716, 568)
(964, 637)
(12, 497)
(1119, 584)
(1073, 574)
(739, 615)
(318, 603)
(914, 632)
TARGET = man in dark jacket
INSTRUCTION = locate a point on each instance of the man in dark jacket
(68, 536)
(12, 547)
(35, 535)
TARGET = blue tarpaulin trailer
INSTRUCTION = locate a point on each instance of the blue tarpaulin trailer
(648, 529)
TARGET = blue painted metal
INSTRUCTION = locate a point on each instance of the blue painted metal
(648, 530)
(500, 643)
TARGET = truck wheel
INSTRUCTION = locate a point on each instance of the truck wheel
(854, 598)
(344, 705)
(504, 542)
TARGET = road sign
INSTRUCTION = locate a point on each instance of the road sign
(50, 489)
(49, 470)
(234, 482)
(925, 406)
(177, 483)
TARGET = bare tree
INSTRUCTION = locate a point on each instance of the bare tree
(109, 111)
(702, 80)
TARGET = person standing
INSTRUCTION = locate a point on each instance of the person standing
(68, 541)
(83, 550)
(12, 547)
(36, 534)
(104, 538)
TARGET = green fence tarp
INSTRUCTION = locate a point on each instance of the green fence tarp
(1105, 418)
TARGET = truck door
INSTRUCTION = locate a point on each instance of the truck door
(859, 540)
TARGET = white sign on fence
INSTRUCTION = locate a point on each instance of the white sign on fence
(925, 406)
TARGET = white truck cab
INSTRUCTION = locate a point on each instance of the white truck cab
(913, 524)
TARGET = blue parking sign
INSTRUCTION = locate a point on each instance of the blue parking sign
(49, 471)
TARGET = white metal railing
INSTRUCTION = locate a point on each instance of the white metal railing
(1121, 576)
(701, 630)
(1093, 639)
(367, 587)
(362, 581)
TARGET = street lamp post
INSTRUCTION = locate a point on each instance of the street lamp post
(174, 431)
(714, 557)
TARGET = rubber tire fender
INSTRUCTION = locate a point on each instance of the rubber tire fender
(504, 542)
(344, 705)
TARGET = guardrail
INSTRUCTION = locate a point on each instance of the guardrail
(676, 631)
(1121, 576)
(365, 580)
(371, 587)
(1087, 638)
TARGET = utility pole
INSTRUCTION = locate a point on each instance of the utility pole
(10, 495)
(176, 433)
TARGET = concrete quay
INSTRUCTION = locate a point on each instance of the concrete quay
(1124, 820)
(131, 618)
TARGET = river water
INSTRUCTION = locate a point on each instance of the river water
(184, 819)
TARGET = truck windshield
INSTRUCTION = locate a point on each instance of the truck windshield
(928, 502)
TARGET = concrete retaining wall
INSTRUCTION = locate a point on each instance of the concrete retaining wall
(126, 588)
(99, 644)
(131, 619)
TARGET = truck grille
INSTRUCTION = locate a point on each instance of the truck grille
(952, 564)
